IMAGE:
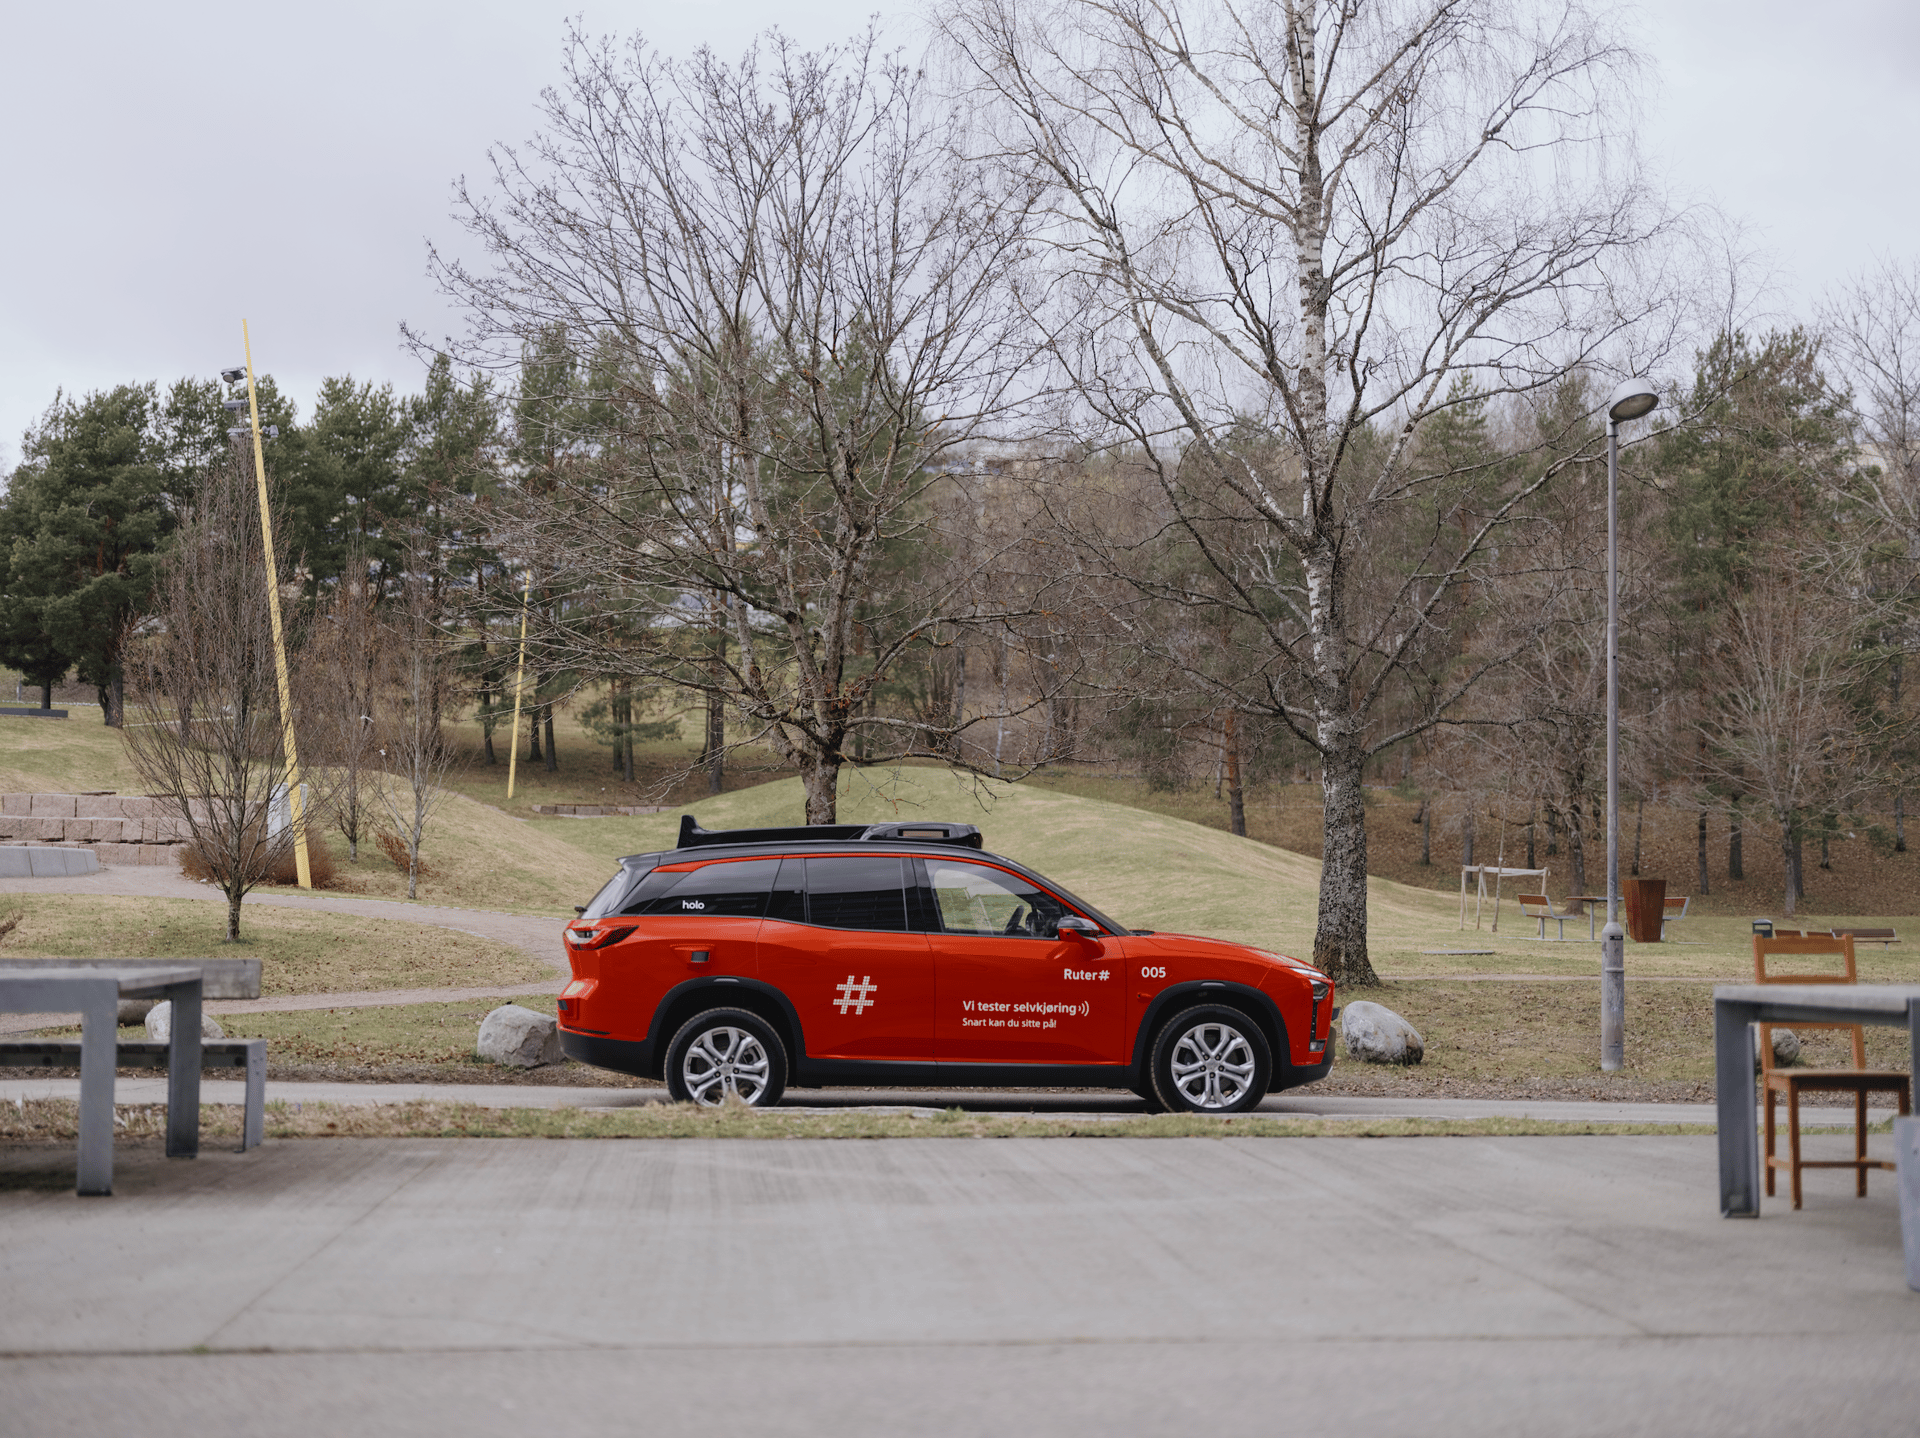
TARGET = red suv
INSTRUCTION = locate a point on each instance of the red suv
(901, 954)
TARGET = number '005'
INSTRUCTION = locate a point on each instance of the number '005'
(1153, 973)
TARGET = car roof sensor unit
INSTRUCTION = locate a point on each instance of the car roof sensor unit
(692, 836)
(965, 836)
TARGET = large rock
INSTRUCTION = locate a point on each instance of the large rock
(519, 1037)
(160, 1023)
(133, 1012)
(1375, 1034)
(1786, 1047)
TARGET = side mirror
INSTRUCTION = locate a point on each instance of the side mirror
(1074, 924)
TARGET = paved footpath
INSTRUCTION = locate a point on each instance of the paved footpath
(1498, 1288)
(533, 935)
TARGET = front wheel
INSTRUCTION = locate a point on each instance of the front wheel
(1211, 1059)
(726, 1052)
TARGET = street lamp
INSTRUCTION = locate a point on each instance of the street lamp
(1630, 399)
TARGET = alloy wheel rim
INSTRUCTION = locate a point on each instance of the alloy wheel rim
(723, 1061)
(1212, 1065)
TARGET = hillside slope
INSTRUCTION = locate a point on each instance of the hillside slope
(1147, 870)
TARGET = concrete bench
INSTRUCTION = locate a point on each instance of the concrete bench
(248, 1055)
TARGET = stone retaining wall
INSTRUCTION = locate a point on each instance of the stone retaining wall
(118, 828)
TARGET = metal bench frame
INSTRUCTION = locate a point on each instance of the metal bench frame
(249, 1055)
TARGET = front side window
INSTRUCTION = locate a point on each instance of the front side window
(856, 893)
(976, 899)
(736, 890)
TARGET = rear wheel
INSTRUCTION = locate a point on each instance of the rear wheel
(1211, 1059)
(726, 1052)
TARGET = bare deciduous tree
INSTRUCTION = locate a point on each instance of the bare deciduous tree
(207, 733)
(415, 752)
(1780, 725)
(788, 304)
(1303, 223)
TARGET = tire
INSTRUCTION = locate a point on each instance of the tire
(1211, 1059)
(726, 1051)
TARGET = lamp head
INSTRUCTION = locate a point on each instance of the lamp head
(234, 375)
(1631, 398)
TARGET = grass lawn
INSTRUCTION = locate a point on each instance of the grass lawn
(400, 1043)
(1543, 1040)
(301, 951)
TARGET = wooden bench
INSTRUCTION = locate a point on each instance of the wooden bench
(1539, 906)
(1674, 912)
(248, 1055)
(1882, 937)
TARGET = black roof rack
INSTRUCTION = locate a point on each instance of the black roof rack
(915, 831)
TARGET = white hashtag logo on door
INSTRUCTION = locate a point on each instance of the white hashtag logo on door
(855, 996)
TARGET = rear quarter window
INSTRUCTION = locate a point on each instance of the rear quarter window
(735, 890)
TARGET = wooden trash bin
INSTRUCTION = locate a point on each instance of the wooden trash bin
(1646, 905)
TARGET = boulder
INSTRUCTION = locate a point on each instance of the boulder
(160, 1023)
(134, 1012)
(519, 1038)
(1375, 1034)
(1786, 1047)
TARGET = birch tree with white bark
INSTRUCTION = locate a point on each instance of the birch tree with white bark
(1305, 222)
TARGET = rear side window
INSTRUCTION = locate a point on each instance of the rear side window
(608, 898)
(857, 893)
(725, 890)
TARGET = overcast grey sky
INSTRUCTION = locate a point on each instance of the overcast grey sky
(168, 169)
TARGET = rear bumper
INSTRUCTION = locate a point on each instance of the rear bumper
(621, 1055)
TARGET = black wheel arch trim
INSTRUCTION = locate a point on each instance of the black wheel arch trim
(1255, 1002)
(722, 986)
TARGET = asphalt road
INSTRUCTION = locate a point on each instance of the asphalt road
(1523, 1286)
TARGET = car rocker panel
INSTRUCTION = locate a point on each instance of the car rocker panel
(904, 954)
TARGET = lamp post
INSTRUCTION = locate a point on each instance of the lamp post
(1630, 399)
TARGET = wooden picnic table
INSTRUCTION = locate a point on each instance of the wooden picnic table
(1736, 1009)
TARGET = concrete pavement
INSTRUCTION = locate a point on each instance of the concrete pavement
(1064, 1104)
(1564, 1286)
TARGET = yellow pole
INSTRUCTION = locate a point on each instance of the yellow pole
(519, 684)
(296, 812)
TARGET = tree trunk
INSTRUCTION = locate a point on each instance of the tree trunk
(821, 776)
(1899, 823)
(1340, 941)
(117, 693)
(1577, 847)
(1704, 889)
(1466, 837)
(46, 702)
(1735, 869)
(1826, 854)
(553, 752)
(1790, 862)
(1426, 833)
(1639, 823)
(533, 732)
(1532, 818)
(1236, 798)
(233, 915)
(1553, 831)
